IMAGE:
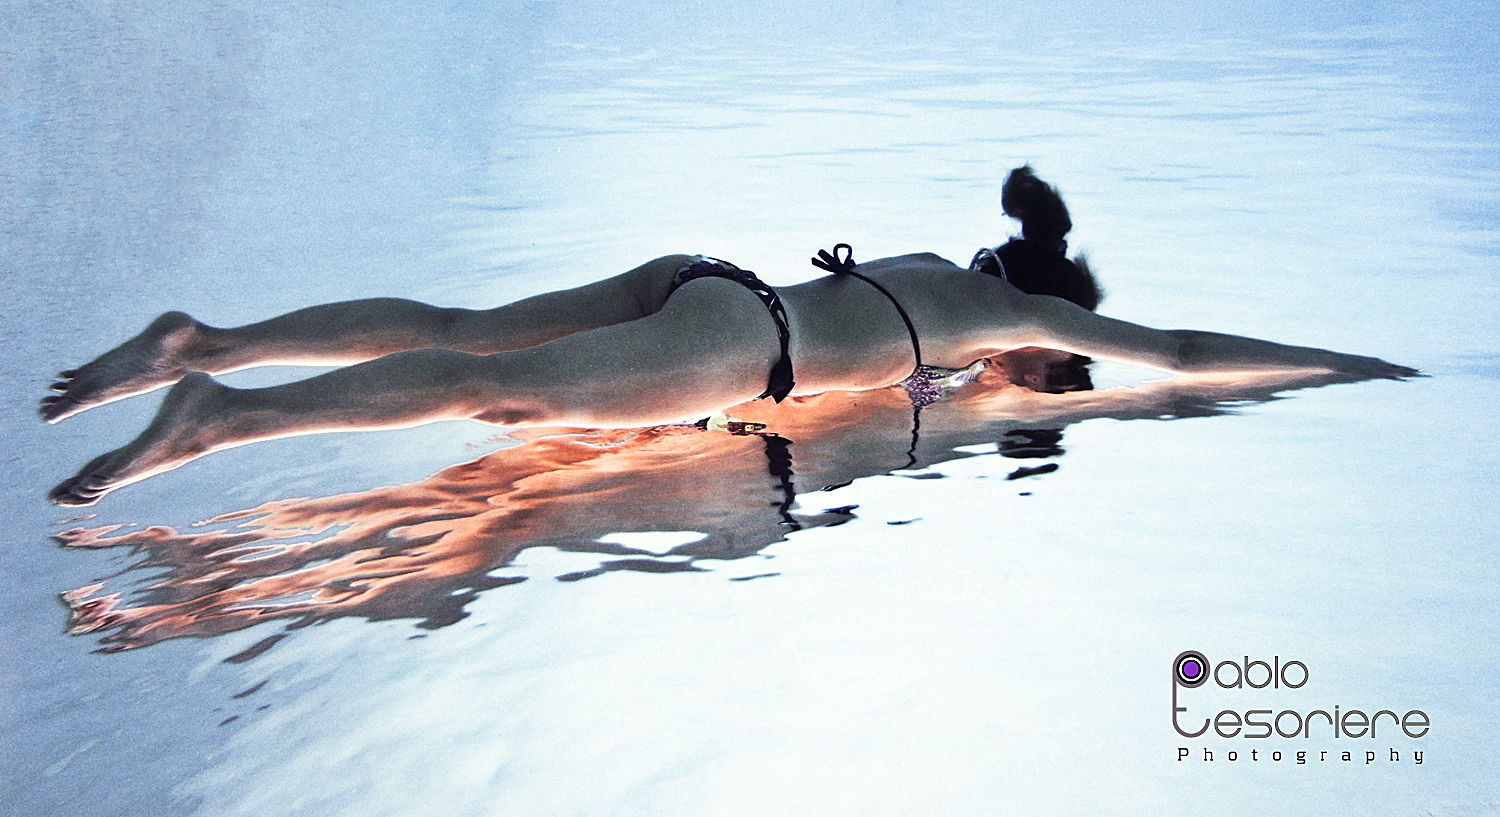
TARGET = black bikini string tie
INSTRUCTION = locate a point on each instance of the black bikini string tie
(845, 266)
(834, 264)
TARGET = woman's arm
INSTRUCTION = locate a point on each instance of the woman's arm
(1055, 323)
(1214, 352)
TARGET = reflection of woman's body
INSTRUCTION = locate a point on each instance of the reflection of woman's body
(617, 353)
(424, 550)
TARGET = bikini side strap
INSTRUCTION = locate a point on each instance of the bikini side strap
(845, 266)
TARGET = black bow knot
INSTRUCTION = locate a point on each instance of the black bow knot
(833, 263)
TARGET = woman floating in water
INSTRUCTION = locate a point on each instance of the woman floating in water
(678, 338)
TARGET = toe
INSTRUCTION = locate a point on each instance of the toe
(90, 483)
(70, 495)
(78, 491)
(56, 408)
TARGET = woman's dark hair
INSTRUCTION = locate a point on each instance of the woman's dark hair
(1037, 263)
(1041, 270)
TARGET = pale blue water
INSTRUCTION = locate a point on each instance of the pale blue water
(1326, 178)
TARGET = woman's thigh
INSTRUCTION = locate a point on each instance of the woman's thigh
(552, 315)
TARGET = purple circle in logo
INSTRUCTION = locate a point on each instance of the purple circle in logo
(1190, 669)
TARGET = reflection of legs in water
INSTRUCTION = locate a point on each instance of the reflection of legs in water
(710, 347)
(352, 332)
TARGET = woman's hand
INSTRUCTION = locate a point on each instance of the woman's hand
(1370, 368)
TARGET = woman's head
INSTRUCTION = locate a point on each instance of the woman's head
(1046, 370)
(1038, 269)
(1037, 262)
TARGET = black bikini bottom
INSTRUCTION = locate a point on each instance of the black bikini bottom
(779, 383)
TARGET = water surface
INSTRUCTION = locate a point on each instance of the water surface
(729, 637)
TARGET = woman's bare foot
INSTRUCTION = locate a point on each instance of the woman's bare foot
(178, 435)
(147, 361)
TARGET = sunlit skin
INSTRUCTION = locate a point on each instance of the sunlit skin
(614, 354)
(424, 550)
